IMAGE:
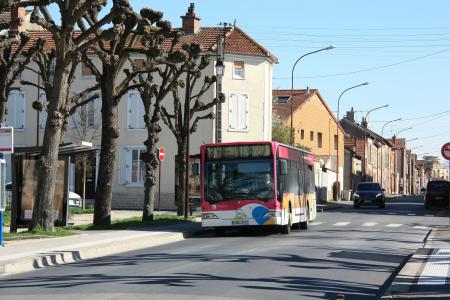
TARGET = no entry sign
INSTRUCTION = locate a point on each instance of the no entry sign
(446, 151)
(161, 153)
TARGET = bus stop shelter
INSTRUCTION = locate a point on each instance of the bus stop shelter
(24, 182)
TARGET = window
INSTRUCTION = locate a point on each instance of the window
(302, 134)
(238, 112)
(131, 167)
(238, 70)
(87, 116)
(311, 136)
(86, 72)
(335, 142)
(16, 110)
(319, 139)
(282, 99)
(135, 111)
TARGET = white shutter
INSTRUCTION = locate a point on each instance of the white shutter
(233, 116)
(247, 111)
(98, 111)
(43, 113)
(242, 111)
(124, 165)
(141, 112)
(20, 111)
(11, 117)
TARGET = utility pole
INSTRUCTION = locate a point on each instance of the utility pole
(219, 74)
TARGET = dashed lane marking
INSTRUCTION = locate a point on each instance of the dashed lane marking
(412, 214)
(421, 227)
(341, 224)
(369, 224)
(394, 225)
(315, 223)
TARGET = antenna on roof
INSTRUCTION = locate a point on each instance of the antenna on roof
(234, 23)
(307, 90)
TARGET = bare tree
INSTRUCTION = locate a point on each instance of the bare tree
(69, 46)
(180, 120)
(141, 33)
(169, 68)
(14, 56)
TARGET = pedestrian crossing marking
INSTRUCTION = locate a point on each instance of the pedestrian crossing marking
(341, 224)
(394, 225)
(412, 214)
(369, 224)
(315, 223)
(391, 213)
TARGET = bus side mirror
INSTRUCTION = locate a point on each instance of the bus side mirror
(283, 167)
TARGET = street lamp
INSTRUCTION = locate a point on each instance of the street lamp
(367, 115)
(292, 87)
(403, 130)
(337, 135)
(382, 154)
(220, 71)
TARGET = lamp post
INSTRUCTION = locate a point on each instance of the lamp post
(404, 129)
(380, 107)
(337, 135)
(382, 153)
(292, 86)
(220, 70)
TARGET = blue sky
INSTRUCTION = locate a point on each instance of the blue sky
(412, 36)
(402, 48)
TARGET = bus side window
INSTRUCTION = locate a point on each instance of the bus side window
(282, 171)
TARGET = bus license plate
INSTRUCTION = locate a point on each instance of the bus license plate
(239, 222)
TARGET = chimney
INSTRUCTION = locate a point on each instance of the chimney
(17, 15)
(350, 115)
(364, 123)
(191, 23)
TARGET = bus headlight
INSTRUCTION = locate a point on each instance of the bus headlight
(209, 216)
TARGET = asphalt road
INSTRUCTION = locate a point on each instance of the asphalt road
(345, 251)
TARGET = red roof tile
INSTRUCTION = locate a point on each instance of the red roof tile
(283, 110)
(237, 42)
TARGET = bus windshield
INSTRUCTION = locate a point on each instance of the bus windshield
(239, 179)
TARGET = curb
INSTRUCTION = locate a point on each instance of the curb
(332, 207)
(89, 250)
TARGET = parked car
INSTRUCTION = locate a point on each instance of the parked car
(437, 194)
(74, 199)
(369, 193)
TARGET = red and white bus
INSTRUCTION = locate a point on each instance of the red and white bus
(257, 183)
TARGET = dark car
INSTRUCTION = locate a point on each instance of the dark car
(437, 194)
(369, 193)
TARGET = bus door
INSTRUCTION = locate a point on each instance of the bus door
(301, 181)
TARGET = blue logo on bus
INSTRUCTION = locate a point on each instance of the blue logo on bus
(258, 214)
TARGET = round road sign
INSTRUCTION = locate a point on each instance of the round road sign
(446, 151)
(161, 153)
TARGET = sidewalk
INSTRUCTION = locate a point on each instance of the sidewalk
(27, 255)
(426, 274)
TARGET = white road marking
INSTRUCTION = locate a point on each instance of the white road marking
(341, 224)
(391, 213)
(315, 223)
(369, 224)
(412, 214)
(394, 225)
(421, 227)
(429, 216)
(436, 268)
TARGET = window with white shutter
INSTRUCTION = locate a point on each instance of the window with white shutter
(16, 110)
(43, 113)
(131, 167)
(135, 116)
(124, 166)
(238, 112)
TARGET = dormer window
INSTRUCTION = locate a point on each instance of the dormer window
(238, 70)
(282, 99)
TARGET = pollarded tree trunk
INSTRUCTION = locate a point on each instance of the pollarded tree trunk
(110, 134)
(151, 159)
(181, 165)
(47, 164)
(3, 96)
